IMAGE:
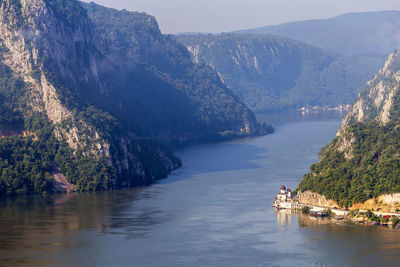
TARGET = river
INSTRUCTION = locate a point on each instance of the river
(214, 211)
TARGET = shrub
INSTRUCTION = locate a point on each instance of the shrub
(330, 213)
(305, 210)
(395, 221)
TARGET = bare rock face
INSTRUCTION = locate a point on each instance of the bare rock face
(316, 199)
(373, 104)
(359, 167)
(376, 101)
(383, 203)
(55, 54)
(35, 42)
(107, 91)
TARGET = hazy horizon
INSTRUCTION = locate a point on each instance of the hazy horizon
(214, 16)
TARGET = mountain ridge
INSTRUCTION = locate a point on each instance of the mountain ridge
(103, 120)
(272, 73)
(348, 34)
(362, 161)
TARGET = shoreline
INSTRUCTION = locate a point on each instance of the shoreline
(356, 217)
(285, 200)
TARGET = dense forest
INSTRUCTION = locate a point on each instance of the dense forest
(169, 94)
(374, 170)
(102, 98)
(363, 161)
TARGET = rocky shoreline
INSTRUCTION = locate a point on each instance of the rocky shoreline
(316, 205)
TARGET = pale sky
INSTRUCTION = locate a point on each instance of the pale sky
(216, 16)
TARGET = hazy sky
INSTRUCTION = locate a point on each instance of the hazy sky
(228, 15)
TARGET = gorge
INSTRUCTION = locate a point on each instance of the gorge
(106, 104)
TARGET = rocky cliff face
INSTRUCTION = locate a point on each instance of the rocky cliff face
(133, 42)
(274, 73)
(360, 167)
(383, 203)
(35, 42)
(376, 101)
(99, 101)
(315, 199)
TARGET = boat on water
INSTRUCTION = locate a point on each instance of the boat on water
(317, 214)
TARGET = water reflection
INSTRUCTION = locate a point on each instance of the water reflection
(335, 243)
(214, 211)
(226, 158)
(284, 218)
(53, 218)
(296, 116)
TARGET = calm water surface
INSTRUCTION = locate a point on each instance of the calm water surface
(214, 211)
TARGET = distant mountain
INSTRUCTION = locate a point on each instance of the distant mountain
(363, 162)
(174, 100)
(93, 97)
(271, 73)
(348, 34)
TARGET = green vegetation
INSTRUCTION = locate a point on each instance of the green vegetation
(363, 162)
(70, 12)
(133, 94)
(271, 73)
(305, 210)
(395, 221)
(329, 213)
(369, 216)
(161, 87)
(12, 96)
(27, 163)
(23, 169)
(374, 170)
(375, 218)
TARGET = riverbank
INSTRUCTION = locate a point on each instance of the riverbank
(360, 217)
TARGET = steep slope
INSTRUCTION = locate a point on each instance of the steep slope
(89, 111)
(348, 34)
(49, 59)
(273, 73)
(188, 102)
(363, 161)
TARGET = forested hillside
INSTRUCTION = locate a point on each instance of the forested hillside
(271, 73)
(363, 161)
(101, 102)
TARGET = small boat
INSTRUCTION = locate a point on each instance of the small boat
(317, 214)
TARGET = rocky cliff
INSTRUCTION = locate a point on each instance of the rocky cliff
(383, 203)
(377, 100)
(99, 99)
(274, 73)
(201, 102)
(362, 163)
(315, 199)
(35, 43)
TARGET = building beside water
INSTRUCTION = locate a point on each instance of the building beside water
(285, 200)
